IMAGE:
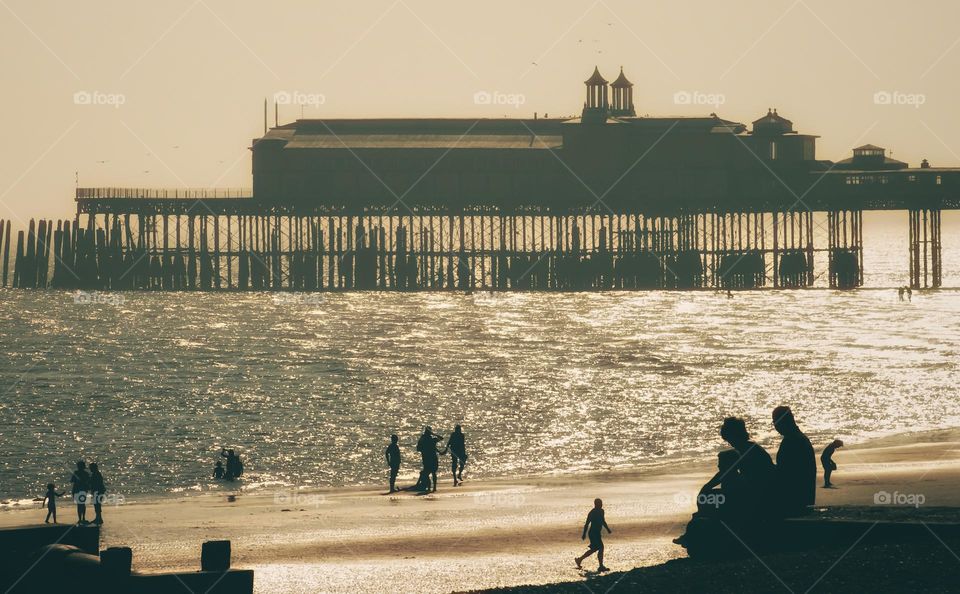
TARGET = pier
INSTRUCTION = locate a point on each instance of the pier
(606, 201)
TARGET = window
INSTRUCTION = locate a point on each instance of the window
(939, 181)
(911, 178)
(773, 151)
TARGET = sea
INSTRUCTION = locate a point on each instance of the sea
(308, 388)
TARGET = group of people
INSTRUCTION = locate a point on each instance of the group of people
(430, 452)
(233, 469)
(750, 487)
(86, 487)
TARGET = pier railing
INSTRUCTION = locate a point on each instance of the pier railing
(163, 193)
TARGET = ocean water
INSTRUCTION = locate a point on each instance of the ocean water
(309, 388)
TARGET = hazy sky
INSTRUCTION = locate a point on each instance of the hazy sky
(169, 94)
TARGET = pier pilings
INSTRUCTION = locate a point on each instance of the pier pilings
(184, 248)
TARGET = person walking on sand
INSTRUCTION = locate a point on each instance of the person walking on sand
(50, 499)
(98, 490)
(80, 486)
(392, 454)
(826, 459)
(594, 526)
(457, 446)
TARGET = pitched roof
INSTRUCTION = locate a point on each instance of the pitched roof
(621, 81)
(870, 147)
(596, 78)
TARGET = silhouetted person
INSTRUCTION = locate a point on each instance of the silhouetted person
(826, 459)
(427, 446)
(796, 465)
(594, 526)
(392, 454)
(726, 486)
(98, 490)
(901, 292)
(457, 446)
(234, 465)
(50, 499)
(218, 470)
(909, 294)
(80, 486)
(746, 477)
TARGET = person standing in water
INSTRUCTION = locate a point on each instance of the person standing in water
(97, 491)
(826, 459)
(393, 461)
(234, 465)
(594, 525)
(457, 446)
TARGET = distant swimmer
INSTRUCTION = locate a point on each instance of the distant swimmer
(826, 459)
(729, 294)
(218, 470)
(392, 455)
(457, 446)
(594, 526)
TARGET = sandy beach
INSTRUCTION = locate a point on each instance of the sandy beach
(499, 533)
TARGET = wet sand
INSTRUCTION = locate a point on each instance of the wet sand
(496, 534)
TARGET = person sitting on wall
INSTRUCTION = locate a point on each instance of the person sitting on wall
(796, 466)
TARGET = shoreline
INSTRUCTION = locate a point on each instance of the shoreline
(681, 465)
(487, 534)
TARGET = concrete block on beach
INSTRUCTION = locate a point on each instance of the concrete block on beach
(215, 555)
(29, 538)
(234, 581)
(51, 558)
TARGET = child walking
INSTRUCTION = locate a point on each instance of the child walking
(51, 500)
(594, 526)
